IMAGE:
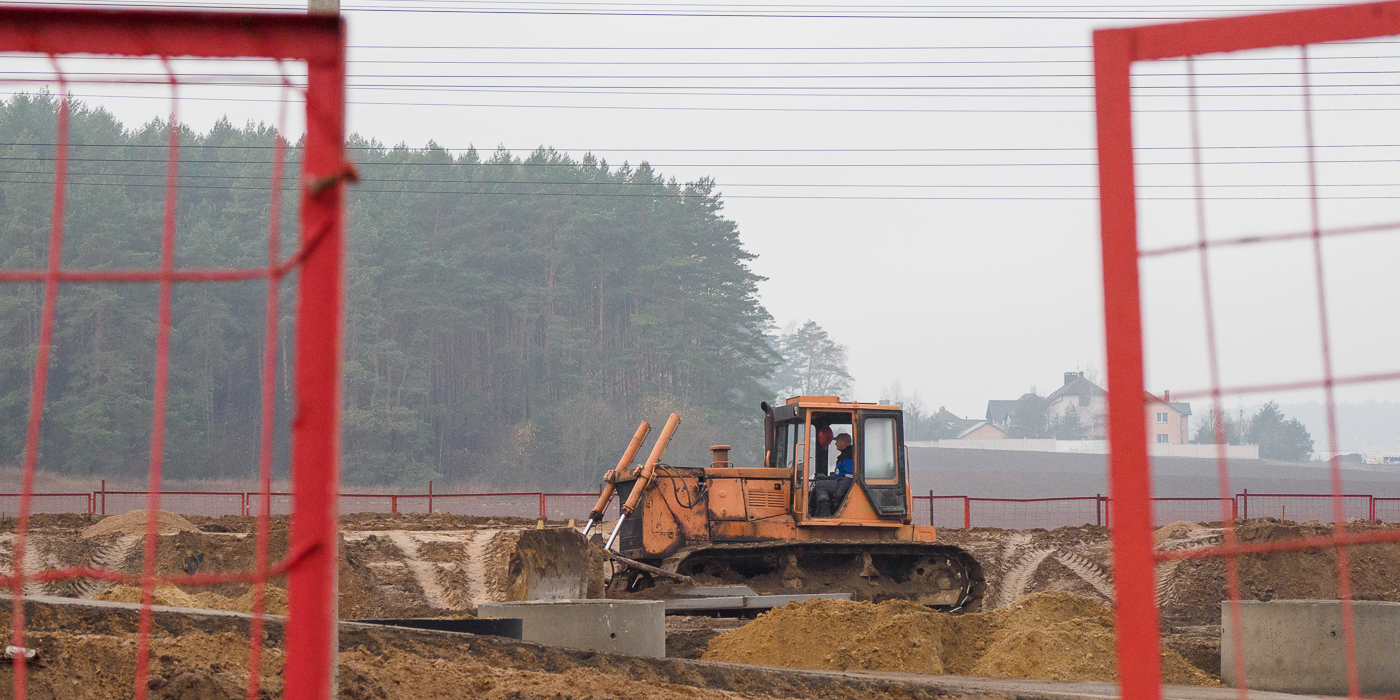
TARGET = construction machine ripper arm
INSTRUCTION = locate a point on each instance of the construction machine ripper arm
(645, 477)
(610, 483)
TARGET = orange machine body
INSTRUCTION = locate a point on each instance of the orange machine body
(686, 507)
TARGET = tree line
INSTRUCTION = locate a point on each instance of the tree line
(509, 320)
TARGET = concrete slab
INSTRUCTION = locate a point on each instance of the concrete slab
(636, 627)
(745, 602)
(1297, 646)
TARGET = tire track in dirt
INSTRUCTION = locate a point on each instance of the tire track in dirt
(1089, 571)
(474, 561)
(1019, 576)
(32, 564)
(426, 573)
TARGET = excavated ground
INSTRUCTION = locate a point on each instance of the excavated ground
(399, 565)
(437, 565)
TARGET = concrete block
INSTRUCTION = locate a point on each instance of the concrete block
(636, 627)
(1297, 646)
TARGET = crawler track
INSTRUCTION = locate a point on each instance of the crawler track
(940, 576)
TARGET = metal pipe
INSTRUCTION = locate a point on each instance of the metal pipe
(649, 469)
(644, 478)
(616, 529)
(610, 479)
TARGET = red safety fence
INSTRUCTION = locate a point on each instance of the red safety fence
(1303, 508)
(1226, 178)
(940, 511)
(46, 503)
(212, 504)
(1386, 509)
(282, 70)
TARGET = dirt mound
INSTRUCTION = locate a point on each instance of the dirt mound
(214, 667)
(274, 599)
(134, 523)
(1177, 530)
(1060, 636)
(1197, 586)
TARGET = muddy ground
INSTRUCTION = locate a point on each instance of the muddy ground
(399, 565)
(412, 565)
(1078, 560)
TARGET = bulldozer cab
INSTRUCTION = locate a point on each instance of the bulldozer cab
(804, 435)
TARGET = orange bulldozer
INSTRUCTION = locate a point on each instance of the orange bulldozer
(828, 511)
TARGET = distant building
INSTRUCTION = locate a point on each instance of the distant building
(1167, 422)
(968, 428)
(1088, 400)
(1000, 411)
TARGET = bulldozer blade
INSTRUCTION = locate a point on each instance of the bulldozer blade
(551, 564)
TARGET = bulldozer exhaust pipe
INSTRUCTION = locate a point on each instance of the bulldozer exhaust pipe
(610, 484)
(644, 479)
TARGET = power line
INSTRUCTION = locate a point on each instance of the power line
(1012, 149)
(653, 195)
(710, 108)
(629, 184)
(757, 12)
(654, 166)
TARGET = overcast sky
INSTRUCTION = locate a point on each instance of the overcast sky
(920, 180)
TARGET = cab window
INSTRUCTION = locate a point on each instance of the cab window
(879, 449)
(789, 443)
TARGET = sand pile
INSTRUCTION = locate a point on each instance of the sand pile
(274, 599)
(214, 667)
(1180, 529)
(134, 523)
(1059, 636)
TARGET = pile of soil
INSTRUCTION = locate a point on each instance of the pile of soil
(274, 599)
(1192, 592)
(134, 523)
(214, 667)
(1058, 636)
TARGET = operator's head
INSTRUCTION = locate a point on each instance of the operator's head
(843, 441)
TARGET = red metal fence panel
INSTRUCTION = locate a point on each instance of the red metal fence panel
(1197, 510)
(1025, 513)
(209, 503)
(1190, 247)
(1301, 507)
(152, 51)
(46, 503)
(1386, 509)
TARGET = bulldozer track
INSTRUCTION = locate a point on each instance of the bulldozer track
(1089, 571)
(971, 570)
(1018, 577)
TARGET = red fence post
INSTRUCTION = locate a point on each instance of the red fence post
(1372, 514)
(393, 504)
(430, 497)
(1235, 508)
(930, 507)
(1098, 509)
(104, 496)
(542, 506)
(967, 512)
(1246, 504)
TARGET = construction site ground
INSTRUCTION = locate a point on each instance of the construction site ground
(437, 565)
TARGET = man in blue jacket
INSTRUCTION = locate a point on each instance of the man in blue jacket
(846, 456)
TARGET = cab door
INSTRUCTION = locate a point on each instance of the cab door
(880, 467)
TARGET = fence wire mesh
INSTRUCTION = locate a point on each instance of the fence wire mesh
(173, 72)
(1275, 130)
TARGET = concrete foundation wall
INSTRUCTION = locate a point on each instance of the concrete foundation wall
(1297, 646)
(635, 627)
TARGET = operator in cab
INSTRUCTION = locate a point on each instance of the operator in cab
(829, 492)
(845, 456)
